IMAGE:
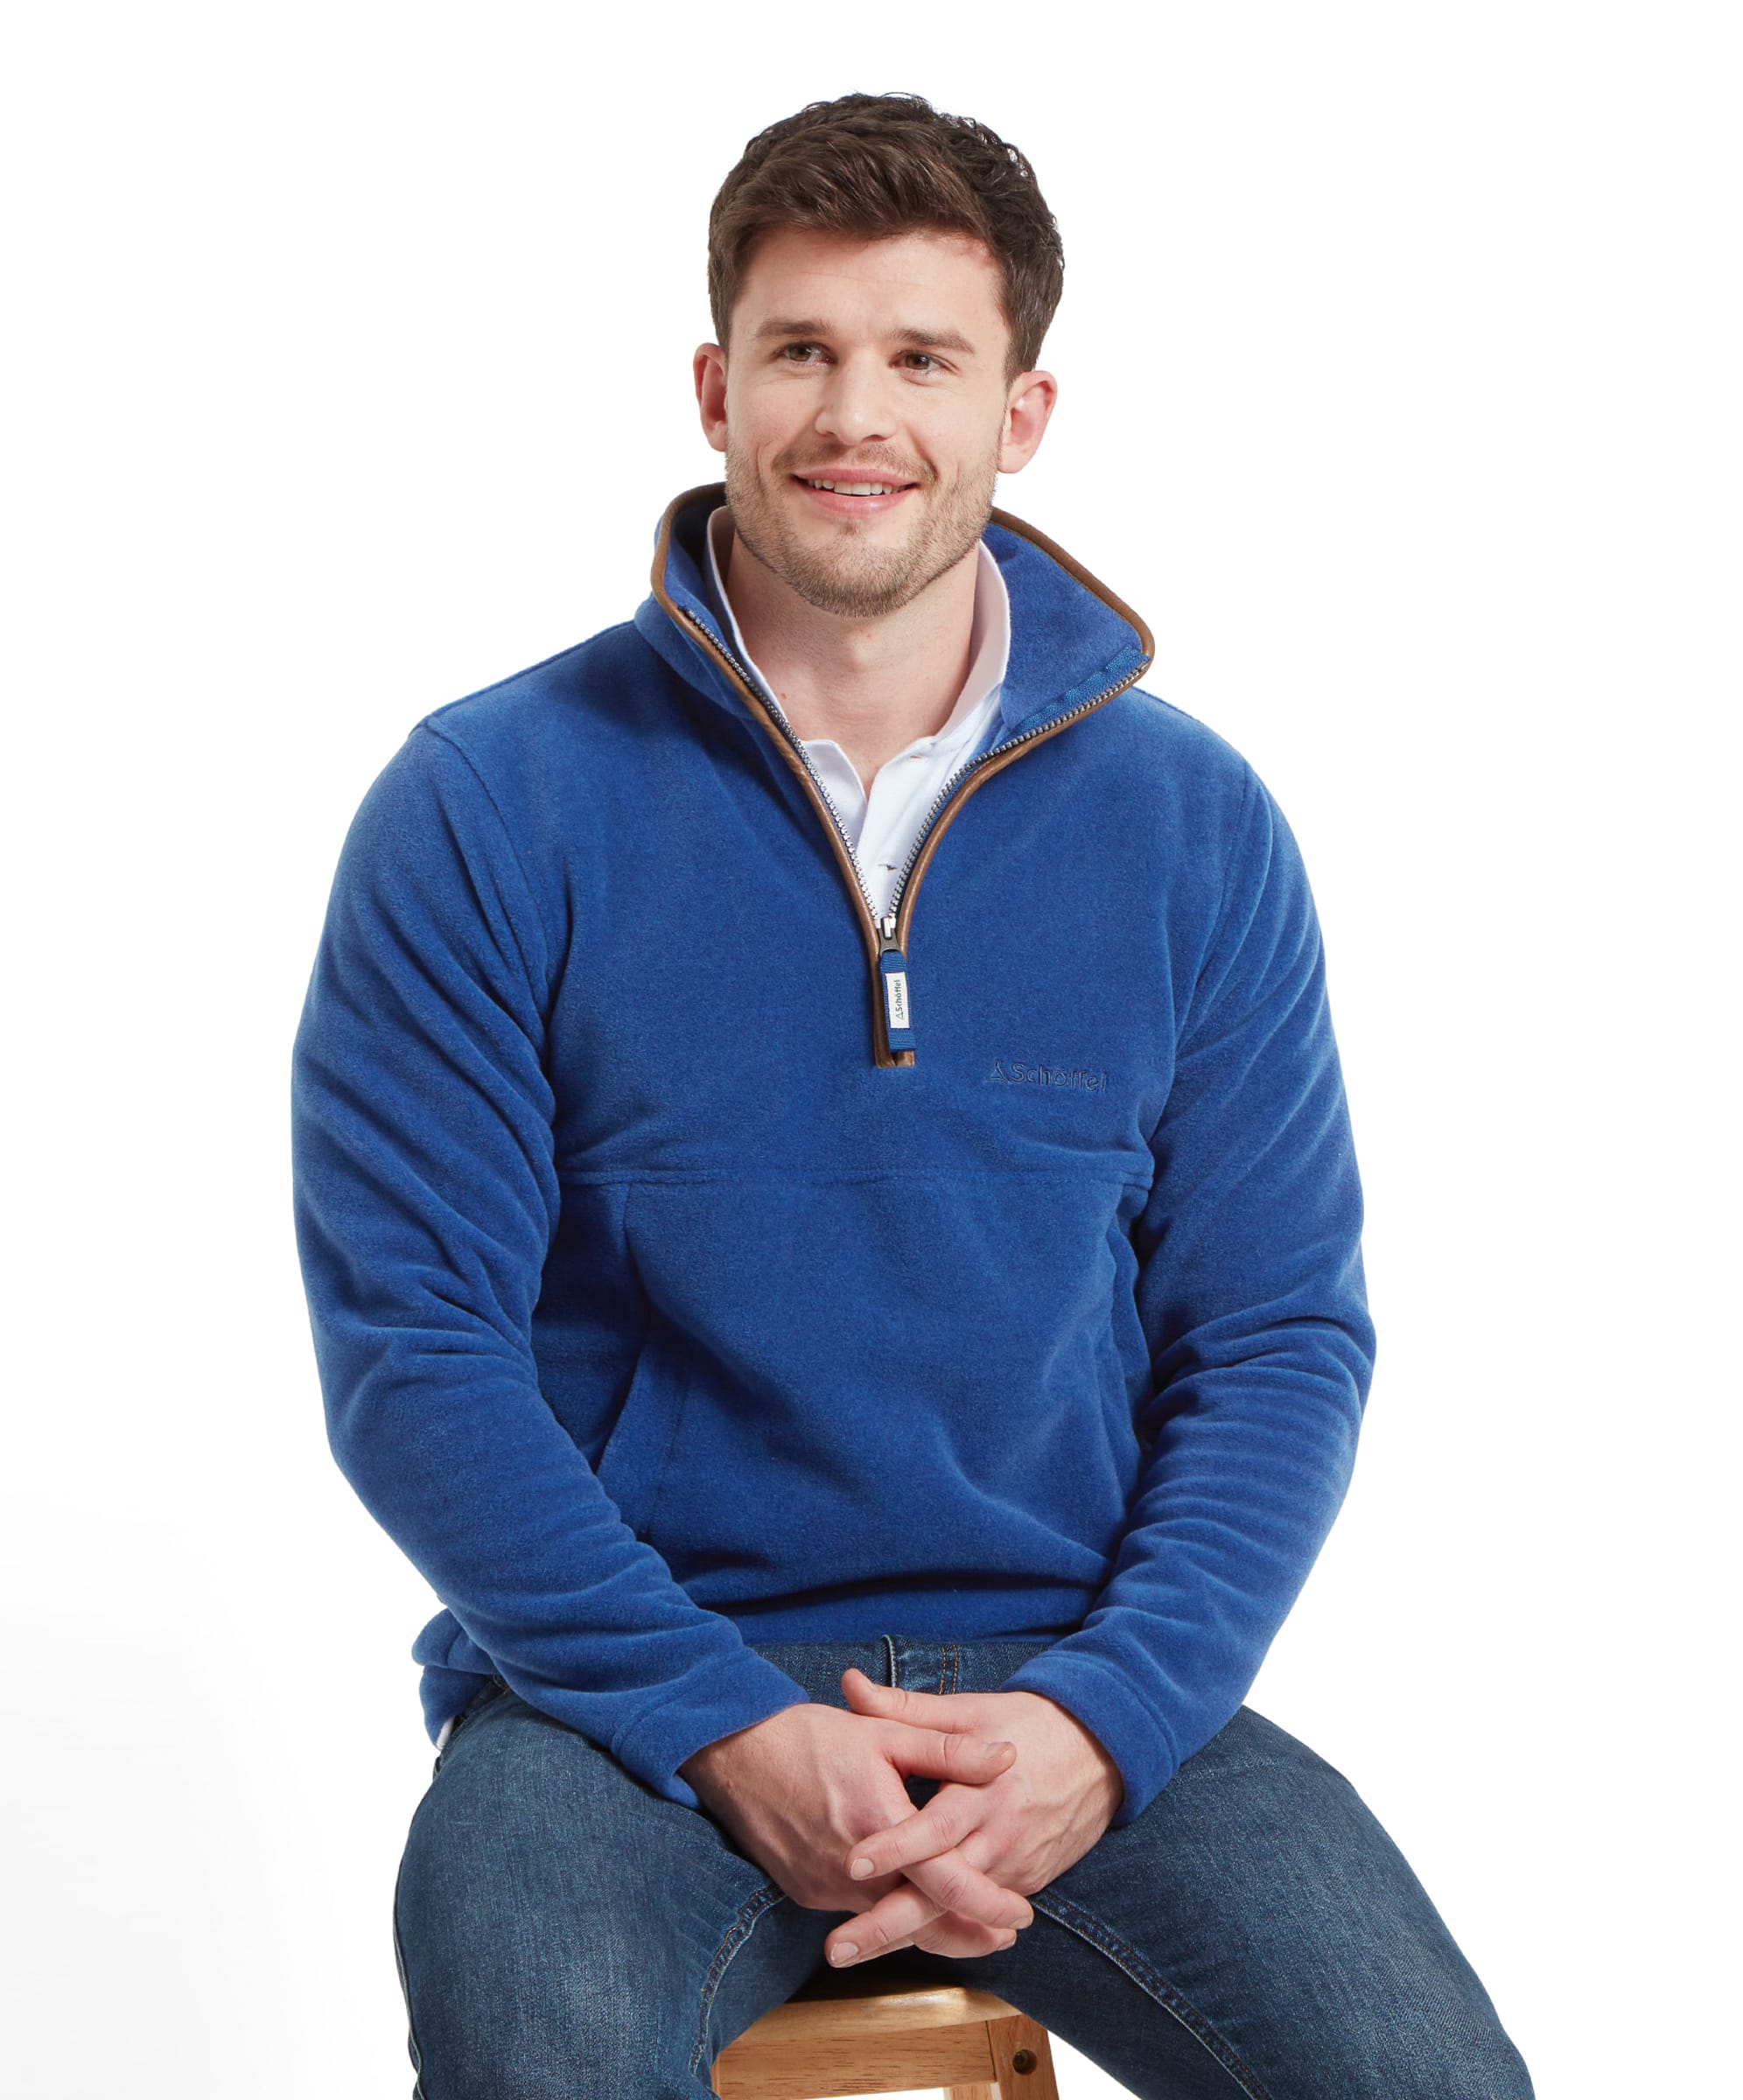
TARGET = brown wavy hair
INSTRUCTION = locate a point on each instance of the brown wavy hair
(873, 165)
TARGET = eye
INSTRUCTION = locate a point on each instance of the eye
(801, 354)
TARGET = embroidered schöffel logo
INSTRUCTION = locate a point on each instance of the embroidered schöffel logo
(1016, 1073)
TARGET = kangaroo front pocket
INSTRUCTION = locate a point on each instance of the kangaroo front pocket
(961, 1412)
(636, 1454)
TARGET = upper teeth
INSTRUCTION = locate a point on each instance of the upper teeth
(858, 488)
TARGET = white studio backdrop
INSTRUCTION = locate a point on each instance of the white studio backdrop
(349, 372)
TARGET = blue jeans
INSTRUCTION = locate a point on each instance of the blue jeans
(564, 1933)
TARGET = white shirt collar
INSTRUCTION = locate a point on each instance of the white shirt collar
(989, 638)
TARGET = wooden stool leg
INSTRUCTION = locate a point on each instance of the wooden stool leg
(970, 2092)
(1022, 2062)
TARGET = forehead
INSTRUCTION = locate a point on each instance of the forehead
(903, 279)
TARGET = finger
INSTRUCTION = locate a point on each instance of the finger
(957, 1938)
(953, 1713)
(886, 1923)
(932, 1837)
(956, 1884)
(926, 1847)
(898, 1920)
(961, 1937)
(890, 1923)
(927, 1755)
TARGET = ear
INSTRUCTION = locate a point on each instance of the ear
(709, 368)
(1027, 407)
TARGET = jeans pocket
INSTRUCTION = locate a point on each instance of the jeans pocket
(492, 1688)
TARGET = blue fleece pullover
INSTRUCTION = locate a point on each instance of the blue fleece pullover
(693, 1260)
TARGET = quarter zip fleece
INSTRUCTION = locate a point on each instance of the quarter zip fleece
(695, 1263)
(886, 819)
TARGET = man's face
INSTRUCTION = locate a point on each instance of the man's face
(858, 362)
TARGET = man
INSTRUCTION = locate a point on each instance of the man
(832, 1239)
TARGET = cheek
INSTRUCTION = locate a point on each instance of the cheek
(778, 443)
(963, 438)
(751, 425)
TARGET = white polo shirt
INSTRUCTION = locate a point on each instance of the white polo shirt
(883, 824)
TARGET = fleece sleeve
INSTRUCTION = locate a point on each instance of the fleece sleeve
(425, 1199)
(1250, 1292)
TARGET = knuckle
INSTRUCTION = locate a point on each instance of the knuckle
(961, 1937)
(954, 1814)
(949, 1935)
(932, 1835)
(951, 1884)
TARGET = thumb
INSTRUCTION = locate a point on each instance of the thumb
(867, 1693)
(952, 1713)
(928, 1753)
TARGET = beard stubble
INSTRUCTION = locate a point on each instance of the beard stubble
(846, 572)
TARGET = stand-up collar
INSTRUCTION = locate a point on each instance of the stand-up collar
(989, 642)
(1070, 636)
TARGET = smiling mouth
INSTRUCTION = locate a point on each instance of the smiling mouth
(867, 489)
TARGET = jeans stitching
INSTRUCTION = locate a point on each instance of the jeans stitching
(737, 1934)
(416, 2053)
(1063, 1912)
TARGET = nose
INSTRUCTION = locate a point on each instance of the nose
(858, 402)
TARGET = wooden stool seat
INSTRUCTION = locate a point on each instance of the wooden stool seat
(873, 2030)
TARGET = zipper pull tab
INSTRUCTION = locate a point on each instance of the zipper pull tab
(893, 974)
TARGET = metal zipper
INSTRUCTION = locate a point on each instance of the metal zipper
(993, 750)
(804, 756)
(894, 1008)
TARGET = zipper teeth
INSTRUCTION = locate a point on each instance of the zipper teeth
(997, 751)
(938, 800)
(786, 729)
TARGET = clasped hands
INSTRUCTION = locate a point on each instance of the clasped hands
(1025, 1789)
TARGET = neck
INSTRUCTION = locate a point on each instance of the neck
(873, 685)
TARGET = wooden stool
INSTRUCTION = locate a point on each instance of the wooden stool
(856, 2031)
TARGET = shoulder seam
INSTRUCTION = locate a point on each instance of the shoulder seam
(453, 744)
(1249, 781)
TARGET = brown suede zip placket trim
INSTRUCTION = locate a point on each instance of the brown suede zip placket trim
(964, 783)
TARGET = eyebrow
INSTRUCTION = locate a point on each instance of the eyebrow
(918, 339)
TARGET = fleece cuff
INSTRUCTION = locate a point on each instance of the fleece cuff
(706, 1705)
(1111, 1711)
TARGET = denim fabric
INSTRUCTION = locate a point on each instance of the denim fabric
(564, 1932)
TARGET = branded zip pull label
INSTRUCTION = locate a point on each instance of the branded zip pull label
(893, 974)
